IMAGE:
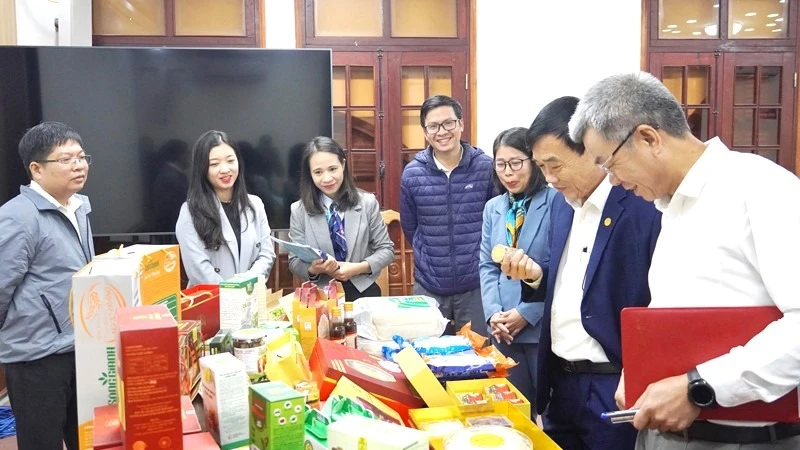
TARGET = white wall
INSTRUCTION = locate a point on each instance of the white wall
(36, 18)
(530, 52)
(279, 21)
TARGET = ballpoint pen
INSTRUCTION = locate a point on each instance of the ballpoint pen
(619, 416)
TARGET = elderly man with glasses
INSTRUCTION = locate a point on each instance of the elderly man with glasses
(601, 241)
(442, 195)
(729, 238)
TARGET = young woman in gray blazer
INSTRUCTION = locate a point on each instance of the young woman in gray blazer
(222, 231)
(344, 222)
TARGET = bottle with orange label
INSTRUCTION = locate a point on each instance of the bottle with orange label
(350, 327)
(337, 330)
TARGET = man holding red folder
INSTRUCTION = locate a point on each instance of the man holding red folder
(728, 239)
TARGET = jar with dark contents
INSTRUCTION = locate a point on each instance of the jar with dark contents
(248, 346)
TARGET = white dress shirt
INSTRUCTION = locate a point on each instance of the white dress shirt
(730, 236)
(570, 340)
(69, 210)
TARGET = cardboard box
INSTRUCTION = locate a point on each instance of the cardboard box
(107, 432)
(381, 378)
(519, 421)
(380, 410)
(238, 303)
(148, 378)
(224, 391)
(197, 441)
(221, 343)
(98, 291)
(421, 377)
(160, 273)
(355, 432)
(456, 389)
(277, 417)
(201, 302)
(190, 347)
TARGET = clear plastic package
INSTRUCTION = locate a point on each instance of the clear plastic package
(488, 437)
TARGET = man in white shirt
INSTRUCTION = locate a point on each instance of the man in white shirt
(602, 239)
(727, 240)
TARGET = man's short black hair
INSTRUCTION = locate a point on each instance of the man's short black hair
(553, 120)
(437, 101)
(39, 141)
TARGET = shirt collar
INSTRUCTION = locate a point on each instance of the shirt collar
(597, 198)
(73, 203)
(326, 201)
(698, 175)
(441, 166)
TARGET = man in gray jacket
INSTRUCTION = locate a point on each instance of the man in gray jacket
(45, 238)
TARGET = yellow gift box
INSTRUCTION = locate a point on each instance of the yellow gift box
(457, 389)
(520, 422)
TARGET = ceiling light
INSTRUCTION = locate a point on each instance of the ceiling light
(737, 27)
(676, 32)
(750, 14)
(779, 19)
(716, 5)
(749, 29)
(773, 15)
(691, 21)
(777, 30)
(711, 29)
(696, 33)
(771, 24)
(781, 1)
(672, 26)
(666, 30)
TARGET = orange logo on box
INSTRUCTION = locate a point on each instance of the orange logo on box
(170, 261)
(98, 311)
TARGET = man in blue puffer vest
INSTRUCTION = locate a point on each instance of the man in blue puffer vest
(442, 195)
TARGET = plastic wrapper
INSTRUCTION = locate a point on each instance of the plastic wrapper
(412, 317)
(486, 437)
(500, 361)
(442, 345)
(376, 348)
(461, 364)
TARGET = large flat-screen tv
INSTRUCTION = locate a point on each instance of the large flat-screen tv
(140, 110)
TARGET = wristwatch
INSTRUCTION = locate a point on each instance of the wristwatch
(700, 392)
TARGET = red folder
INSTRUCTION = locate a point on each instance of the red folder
(662, 342)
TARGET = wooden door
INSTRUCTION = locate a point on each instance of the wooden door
(757, 113)
(692, 79)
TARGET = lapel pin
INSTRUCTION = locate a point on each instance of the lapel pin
(607, 222)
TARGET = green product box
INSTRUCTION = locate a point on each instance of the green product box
(222, 342)
(277, 417)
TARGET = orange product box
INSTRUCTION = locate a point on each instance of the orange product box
(197, 441)
(148, 379)
(201, 302)
(190, 345)
(482, 391)
(107, 433)
(381, 378)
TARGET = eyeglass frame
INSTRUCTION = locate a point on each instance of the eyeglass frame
(507, 164)
(440, 126)
(69, 161)
(605, 165)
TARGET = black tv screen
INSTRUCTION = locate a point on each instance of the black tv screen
(139, 111)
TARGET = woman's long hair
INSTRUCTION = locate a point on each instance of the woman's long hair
(310, 193)
(202, 199)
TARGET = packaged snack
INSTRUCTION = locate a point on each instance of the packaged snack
(489, 420)
(443, 345)
(459, 365)
(485, 437)
(441, 428)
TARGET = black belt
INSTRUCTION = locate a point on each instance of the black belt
(587, 367)
(712, 432)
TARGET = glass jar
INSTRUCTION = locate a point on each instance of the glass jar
(248, 347)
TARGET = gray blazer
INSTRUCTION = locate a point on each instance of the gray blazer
(367, 239)
(206, 266)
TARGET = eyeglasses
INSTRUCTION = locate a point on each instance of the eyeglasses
(515, 164)
(607, 163)
(70, 160)
(448, 125)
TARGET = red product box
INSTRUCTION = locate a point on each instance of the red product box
(201, 302)
(107, 433)
(197, 441)
(190, 345)
(379, 377)
(148, 379)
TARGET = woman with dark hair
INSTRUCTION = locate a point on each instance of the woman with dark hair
(519, 220)
(222, 231)
(336, 217)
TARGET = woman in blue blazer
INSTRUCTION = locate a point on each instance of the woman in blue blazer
(518, 218)
(222, 231)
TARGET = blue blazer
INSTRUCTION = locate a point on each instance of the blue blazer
(616, 276)
(499, 293)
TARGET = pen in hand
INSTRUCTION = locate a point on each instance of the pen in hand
(619, 416)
